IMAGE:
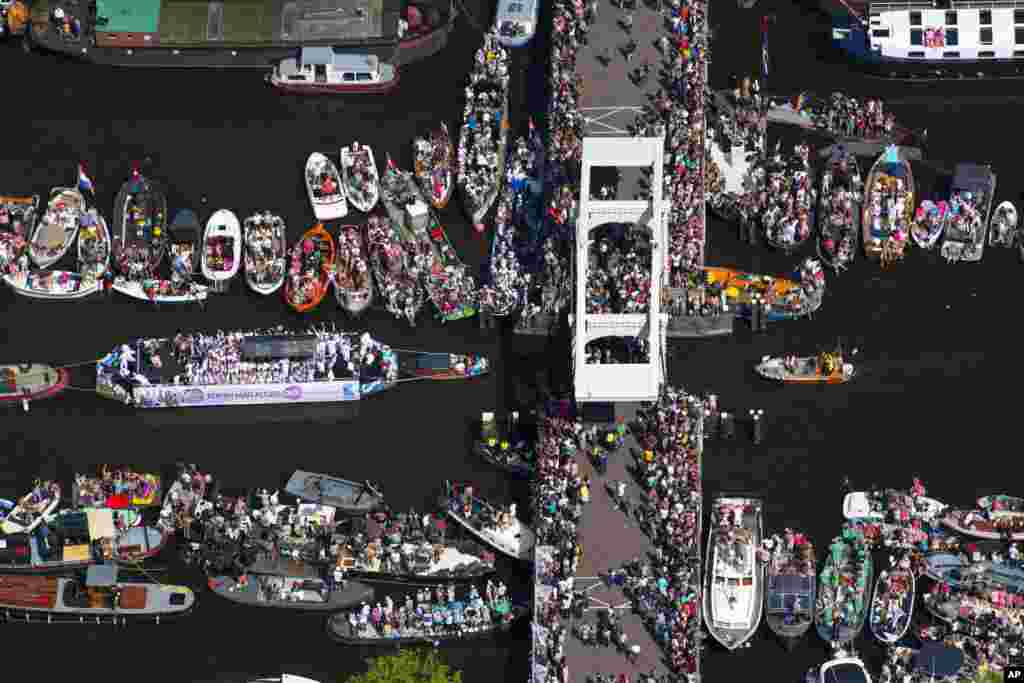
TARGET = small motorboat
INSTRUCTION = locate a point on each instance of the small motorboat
(353, 279)
(888, 205)
(321, 70)
(160, 291)
(347, 497)
(433, 622)
(31, 382)
(289, 585)
(266, 252)
(792, 201)
(184, 244)
(839, 204)
(844, 586)
(825, 368)
(1002, 231)
(62, 285)
(1001, 502)
(514, 458)
(222, 249)
(96, 595)
(945, 567)
(973, 186)
(359, 176)
(733, 596)
(499, 529)
(310, 269)
(992, 526)
(451, 289)
(140, 223)
(892, 605)
(93, 245)
(929, 222)
(392, 258)
(432, 166)
(786, 299)
(58, 227)
(844, 667)
(862, 506)
(790, 589)
(326, 192)
(32, 509)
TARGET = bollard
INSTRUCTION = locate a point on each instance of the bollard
(757, 426)
(728, 426)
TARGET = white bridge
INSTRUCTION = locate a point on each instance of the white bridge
(630, 382)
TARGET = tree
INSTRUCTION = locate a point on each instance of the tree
(408, 666)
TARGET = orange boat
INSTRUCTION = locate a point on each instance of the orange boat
(311, 265)
(740, 287)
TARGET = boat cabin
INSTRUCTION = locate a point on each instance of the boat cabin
(324, 65)
(947, 31)
(516, 21)
(101, 590)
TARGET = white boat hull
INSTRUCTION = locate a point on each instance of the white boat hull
(518, 543)
(347, 161)
(222, 223)
(857, 506)
(331, 208)
(134, 289)
(103, 236)
(70, 195)
(19, 283)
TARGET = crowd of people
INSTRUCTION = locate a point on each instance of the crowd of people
(619, 273)
(846, 116)
(396, 269)
(966, 227)
(788, 199)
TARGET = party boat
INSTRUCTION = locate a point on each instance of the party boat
(359, 176)
(843, 588)
(93, 245)
(266, 253)
(222, 249)
(59, 285)
(31, 509)
(825, 368)
(974, 186)
(267, 367)
(433, 161)
(790, 589)
(18, 215)
(929, 221)
(451, 288)
(886, 225)
(392, 252)
(289, 585)
(734, 585)
(991, 525)
(786, 299)
(58, 227)
(1002, 230)
(30, 382)
(347, 497)
(839, 206)
(325, 189)
(499, 529)
(892, 605)
(140, 222)
(353, 279)
(310, 269)
(184, 248)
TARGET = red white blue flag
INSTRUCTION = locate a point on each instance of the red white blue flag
(85, 183)
(764, 48)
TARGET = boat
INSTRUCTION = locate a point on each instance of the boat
(323, 184)
(825, 368)
(347, 497)
(353, 279)
(929, 221)
(839, 212)
(310, 269)
(482, 141)
(792, 201)
(513, 458)
(434, 157)
(1002, 230)
(58, 227)
(326, 365)
(117, 489)
(499, 529)
(734, 579)
(359, 176)
(892, 605)
(266, 252)
(284, 678)
(184, 245)
(888, 205)
(97, 595)
(837, 117)
(843, 588)
(790, 588)
(392, 257)
(31, 382)
(863, 506)
(786, 299)
(993, 526)
(160, 291)
(31, 509)
(289, 585)
(842, 668)
(222, 249)
(60, 285)
(945, 567)
(515, 21)
(323, 70)
(18, 215)
(93, 245)
(450, 287)
(140, 223)
(974, 186)
(433, 621)
(1001, 502)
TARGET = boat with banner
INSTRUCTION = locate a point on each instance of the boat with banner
(31, 382)
(359, 176)
(892, 605)
(140, 224)
(222, 249)
(325, 189)
(485, 125)
(432, 617)
(499, 529)
(353, 279)
(974, 186)
(99, 594)
(450, 287)
(347, 497)
(929, 221)
(843, 588)
(57, 229)
(93, 245)
(1002, 230)
(392, 252)
(839, 211)
(275, 366)
(433, 160)
(266, 252)
(824, 368)
(888, 206)
(290, 585)
(789, 593)
(310, 269)
(733, 596)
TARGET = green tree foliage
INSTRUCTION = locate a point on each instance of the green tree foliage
(989, 676)
(408, 666)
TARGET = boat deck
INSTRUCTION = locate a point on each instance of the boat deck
(38, 592)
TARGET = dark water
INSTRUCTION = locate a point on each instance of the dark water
(936, 342)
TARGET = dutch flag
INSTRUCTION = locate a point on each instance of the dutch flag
(765, 20)
(85, 183)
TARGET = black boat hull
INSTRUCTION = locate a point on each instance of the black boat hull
(519, 612)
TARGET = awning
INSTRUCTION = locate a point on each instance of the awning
(101, 523)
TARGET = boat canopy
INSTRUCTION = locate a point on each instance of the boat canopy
(101, 523)
(789, 591)
(101, 575)
(279, 346)
(341, 61)
(285, 568)
(972, 178)
(938, 660)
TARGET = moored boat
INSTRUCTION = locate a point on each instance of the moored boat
(825, 368)
(431, 618)
(322, 70)
(843, 588)
(499, 529)
(785, 299)
(93, 245)
(97, 595)
(993, 526)
(284, 678)
(733, 596)
(31, 510)
(353, 281)
(359, 176)
(499, 451)
(161, 291)
(222, 249)
(888, 205)
(311, 269)
(31, 382)
(929, 221)
(266, 252)
(515, 21)
(792, 201)
(53, 284)
(839, 211)
(433, 159)
(892, 605)
(58, 227)
(1002, 231)
(184, 245)
(451, 288)
(347, 497)
(790, 588)
(974, 186)
(325, 189)
(18, 215)
(289, 585)
(139, 227)
(392, 258)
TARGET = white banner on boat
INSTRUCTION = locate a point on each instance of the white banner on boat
(171, 396)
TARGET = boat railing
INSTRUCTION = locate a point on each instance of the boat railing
(877, 7)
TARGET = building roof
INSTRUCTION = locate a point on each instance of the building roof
(129, 16)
